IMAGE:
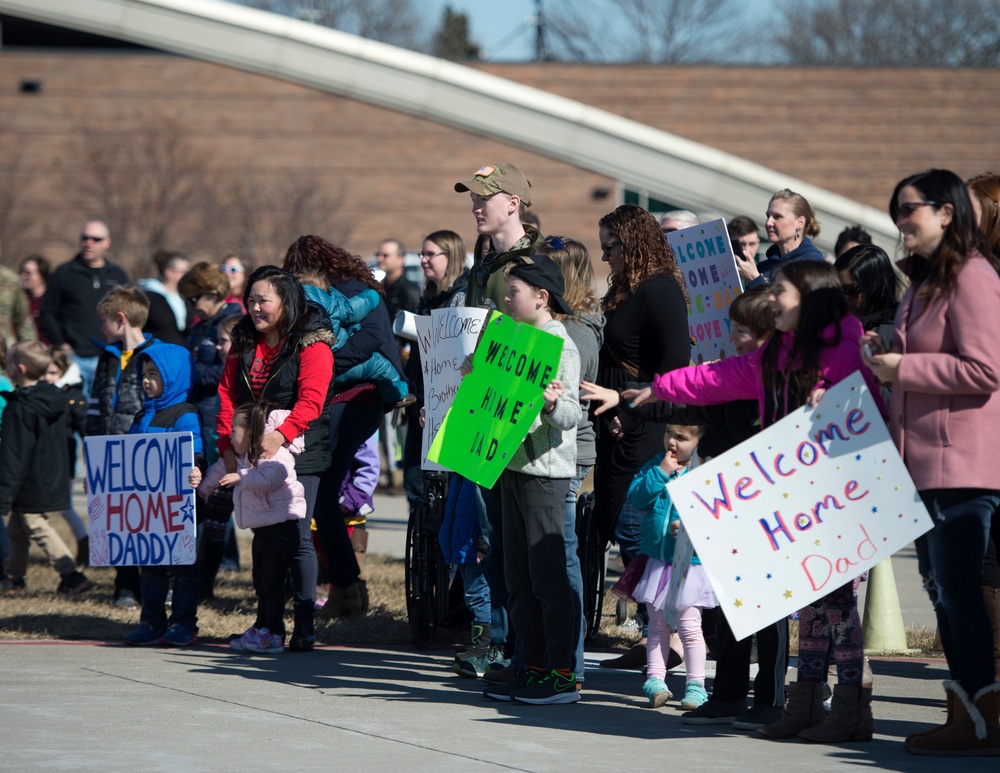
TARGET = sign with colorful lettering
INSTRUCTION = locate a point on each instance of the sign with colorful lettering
(705, 258)
(139, 503)
(497, 403)
(445, 338)
(800, 509)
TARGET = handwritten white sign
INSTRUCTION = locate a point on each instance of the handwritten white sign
(705, 258)
(139, 504)
(800, 509)
(445, 338)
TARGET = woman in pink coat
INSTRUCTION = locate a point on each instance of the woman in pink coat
(944, 368)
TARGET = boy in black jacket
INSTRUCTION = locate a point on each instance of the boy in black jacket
(32, 457)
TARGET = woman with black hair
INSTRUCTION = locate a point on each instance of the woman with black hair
(872, 287)
(281, 355)
(944, 367)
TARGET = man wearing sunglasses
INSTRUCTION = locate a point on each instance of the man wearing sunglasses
(497, 192)
(68, 314)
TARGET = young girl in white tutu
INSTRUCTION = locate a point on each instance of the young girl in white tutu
(647, 578)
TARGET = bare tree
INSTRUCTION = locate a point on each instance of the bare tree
(259, 215)
(389, 21)
(148, 184)
(652, 31)
(17, 218)
(891, 33)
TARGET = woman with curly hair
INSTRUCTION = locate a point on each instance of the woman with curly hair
(646, 333)
(348, 428)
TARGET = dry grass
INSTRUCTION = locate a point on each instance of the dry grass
(40, 613)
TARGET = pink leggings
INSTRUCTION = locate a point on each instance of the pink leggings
(658, 642)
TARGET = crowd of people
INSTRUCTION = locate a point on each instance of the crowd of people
(285, 376)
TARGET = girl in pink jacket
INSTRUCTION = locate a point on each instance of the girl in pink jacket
(815, 345)
(269, 499)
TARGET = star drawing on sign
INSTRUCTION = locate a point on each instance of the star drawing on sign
(735, 551)
(788, 594)
(858, 457)
(738, 603)
(187, 512)
(819, 542)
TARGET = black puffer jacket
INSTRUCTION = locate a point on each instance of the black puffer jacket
(117, 395)
(34, 466)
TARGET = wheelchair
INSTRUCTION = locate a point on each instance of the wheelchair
(593, 548)
(428, 576)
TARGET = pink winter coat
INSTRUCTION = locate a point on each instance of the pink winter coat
(741, 378)
(945, 406)
(269, 493)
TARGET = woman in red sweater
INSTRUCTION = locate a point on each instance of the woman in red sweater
(281, 355)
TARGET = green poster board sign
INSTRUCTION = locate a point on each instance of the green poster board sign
(497, 403)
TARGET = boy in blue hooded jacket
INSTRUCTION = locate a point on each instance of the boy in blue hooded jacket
(166, 380)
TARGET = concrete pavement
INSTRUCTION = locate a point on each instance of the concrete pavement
(95, 706)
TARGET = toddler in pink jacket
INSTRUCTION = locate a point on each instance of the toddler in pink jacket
(269, 499)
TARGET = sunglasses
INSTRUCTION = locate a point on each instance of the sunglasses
(89, 238)
(851, 291)
(195, 298)
(907, 208)
(430, 255)
(608, 246)
(233, 269)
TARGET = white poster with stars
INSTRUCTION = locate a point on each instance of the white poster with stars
(800, 509)
(705, 259)
(139, 505)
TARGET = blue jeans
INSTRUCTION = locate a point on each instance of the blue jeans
(477, 594)
(573, 567)
(950, 557)
(627, 531)
(628, 537)
(155, 582)
(501, 627)
(88, 371)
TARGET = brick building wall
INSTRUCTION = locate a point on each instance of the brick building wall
(855, 132)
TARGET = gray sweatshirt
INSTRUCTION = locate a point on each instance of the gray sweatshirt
(587, 332)
(549, 450)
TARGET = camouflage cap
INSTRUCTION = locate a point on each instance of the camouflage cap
(494, 178)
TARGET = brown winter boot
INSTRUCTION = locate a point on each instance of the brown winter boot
(949, 718)
(850, 717)
(992, 598)
(974, 731)
(804, 709)
(359, 541)
(345, 602)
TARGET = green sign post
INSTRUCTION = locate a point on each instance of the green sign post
(497, 403)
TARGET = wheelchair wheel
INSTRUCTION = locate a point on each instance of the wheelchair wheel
(621, 612)
(593, 563)
(419, 600)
